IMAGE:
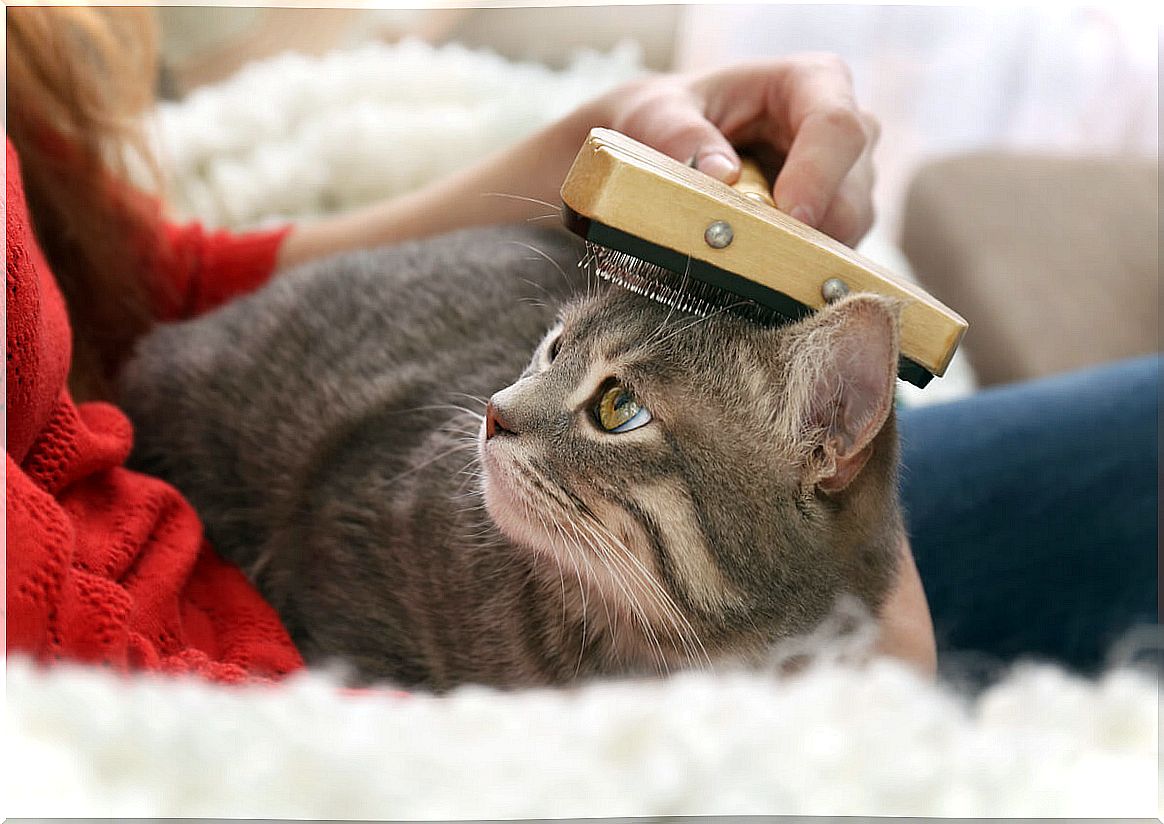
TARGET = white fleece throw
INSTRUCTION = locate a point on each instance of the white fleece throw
(831, 741)
(296, 136)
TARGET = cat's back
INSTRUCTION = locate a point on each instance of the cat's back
(233, 407)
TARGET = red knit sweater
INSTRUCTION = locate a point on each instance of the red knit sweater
(104, 564)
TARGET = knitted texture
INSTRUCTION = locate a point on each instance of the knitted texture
(106, 565)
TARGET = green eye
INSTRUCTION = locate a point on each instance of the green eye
(618, 411)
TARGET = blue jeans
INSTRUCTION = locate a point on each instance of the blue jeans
(1032, 510)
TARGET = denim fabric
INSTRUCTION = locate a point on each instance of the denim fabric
(1032, 511)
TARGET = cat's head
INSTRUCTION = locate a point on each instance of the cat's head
(706, 475)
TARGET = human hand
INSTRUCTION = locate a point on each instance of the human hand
(800, 109)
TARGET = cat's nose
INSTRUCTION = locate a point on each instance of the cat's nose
(495, 422)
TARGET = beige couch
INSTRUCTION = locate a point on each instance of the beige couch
(1054, 261)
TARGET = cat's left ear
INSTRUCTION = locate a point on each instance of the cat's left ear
(842, 371)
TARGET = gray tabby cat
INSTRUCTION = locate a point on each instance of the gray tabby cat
(654, 491)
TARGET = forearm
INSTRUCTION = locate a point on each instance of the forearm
(510, 186)
(907, 632)
(801, 107)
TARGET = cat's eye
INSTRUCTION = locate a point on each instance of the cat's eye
(618, 411)
(555, 347)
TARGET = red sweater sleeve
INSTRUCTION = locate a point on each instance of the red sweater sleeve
(202, 269)
(104, 564)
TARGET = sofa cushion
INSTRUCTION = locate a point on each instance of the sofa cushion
(1053, 260)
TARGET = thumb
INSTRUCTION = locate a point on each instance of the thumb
(686, 135)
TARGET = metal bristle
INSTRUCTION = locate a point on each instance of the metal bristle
(677, 291)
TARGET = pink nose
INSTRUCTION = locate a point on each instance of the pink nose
(495, 423)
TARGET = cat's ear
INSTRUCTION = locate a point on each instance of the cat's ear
(842, 370)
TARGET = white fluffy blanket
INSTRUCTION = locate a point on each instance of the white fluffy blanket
(832, 741)
(296, 136)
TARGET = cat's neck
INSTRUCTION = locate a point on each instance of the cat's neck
(611, 625)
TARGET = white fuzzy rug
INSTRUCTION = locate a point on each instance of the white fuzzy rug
(832, 741)
(295, 136)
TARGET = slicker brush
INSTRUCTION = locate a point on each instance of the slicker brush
(670, 233)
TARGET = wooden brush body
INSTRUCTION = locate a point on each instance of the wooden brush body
(626, 196)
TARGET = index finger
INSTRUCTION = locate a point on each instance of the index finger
(827, 134)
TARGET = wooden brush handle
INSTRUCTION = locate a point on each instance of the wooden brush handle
(632, 189)
(753, 183)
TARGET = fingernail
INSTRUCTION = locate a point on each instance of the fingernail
(802, 213)
(716, 164)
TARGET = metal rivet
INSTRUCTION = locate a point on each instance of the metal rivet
(718, 235)
(834, 289)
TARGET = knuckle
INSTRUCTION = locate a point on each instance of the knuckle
(684, 140)
(843, 122)
(637, 122)
(690, 133)
(636, 105)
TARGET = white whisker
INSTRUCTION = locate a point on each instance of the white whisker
(613, 564)
(439, 407)
(697, 322)
(429, 462)
(546, 257)
(522, 197)
(662, 599)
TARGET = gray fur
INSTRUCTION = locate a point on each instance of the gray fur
(328, 431)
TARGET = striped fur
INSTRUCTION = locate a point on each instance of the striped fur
(329, 430)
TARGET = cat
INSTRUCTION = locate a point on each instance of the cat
(368, 438)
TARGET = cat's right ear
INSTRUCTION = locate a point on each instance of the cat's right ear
(841, 375)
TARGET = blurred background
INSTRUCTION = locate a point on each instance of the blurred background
(1018, 163)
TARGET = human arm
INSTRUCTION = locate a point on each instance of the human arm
(200, 269)
(799, 108)
(906, 629)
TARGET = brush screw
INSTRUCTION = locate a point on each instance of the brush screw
(719, 235)
(834, 289)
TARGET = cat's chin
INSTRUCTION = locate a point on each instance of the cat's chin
(518, 517)
(507, 507)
